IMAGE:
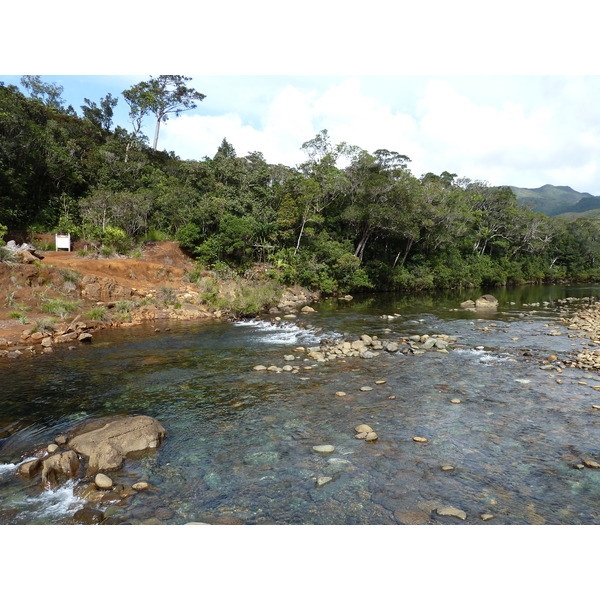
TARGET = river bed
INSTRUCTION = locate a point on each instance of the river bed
(239, 442)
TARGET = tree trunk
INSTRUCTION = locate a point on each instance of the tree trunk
(300, 236)
(362, 244)
(156, 133)
(406, 251)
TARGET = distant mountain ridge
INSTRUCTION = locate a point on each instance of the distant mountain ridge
(554, 200)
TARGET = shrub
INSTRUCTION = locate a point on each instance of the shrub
(43, 326)
(154, 235)
(167, 295)
(6, 256)
(98, 313)
(124, 306)
(71, 276)
(59, 307)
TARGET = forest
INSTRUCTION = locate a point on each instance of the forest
(345, 220)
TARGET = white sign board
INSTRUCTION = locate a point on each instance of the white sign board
(63, 242)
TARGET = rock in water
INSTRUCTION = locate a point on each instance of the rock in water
(103, 481)
(88, 516)
(450, 511)
(323, 480)
(107, 445)
(29, 468)
(363, 429)
(324, 449)
(486, 301)
(59, 467)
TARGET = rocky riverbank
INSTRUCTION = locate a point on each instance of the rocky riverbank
(585, 319)
(67, 298)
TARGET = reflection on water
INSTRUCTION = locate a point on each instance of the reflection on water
(239, 445)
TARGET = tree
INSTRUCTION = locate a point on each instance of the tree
(48, 93)
(100, 115)
(162, 96)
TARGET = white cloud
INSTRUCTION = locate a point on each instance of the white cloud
(539, 131)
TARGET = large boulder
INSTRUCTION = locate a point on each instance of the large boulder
(107, 445)
(486, 301)
(59, 468)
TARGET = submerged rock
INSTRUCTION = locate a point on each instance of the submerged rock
(324, 449)
(321, 481)
(450, 511)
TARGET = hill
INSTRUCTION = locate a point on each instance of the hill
(554, 200)
(573, 216)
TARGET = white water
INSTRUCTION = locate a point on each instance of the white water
(485, 357)
(55, 503)
(6, 468)
(285, 333)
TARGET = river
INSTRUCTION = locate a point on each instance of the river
(239, 442)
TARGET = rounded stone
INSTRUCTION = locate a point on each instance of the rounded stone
(450, 511)
(140, 486)
(52, 448)
(103, 481)
(371, 436)
(365, 388)
(324, 449)
(88, 516)
(486, 516)
(260, 368)
(361, 436)
(380, 382)
(422, 440)
(340, 394)
(363, 429)
(456, 401)
(447, 468)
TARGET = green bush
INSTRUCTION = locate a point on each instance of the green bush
(98, 313)
(6, 256)
(59, 307)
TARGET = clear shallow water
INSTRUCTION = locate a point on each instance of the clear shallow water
(239, 445)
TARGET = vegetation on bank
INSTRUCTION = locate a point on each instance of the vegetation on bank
(345, 220)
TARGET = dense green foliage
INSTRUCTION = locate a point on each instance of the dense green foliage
(344, 220)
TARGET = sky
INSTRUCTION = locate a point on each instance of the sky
(504, 96)
(519, 130)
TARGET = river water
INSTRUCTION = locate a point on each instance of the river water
(239, 442)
